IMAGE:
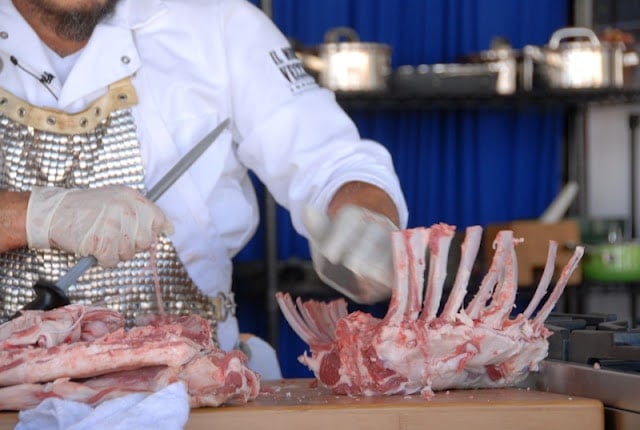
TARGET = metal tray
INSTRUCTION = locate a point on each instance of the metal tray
(444, 79)
(618, 391)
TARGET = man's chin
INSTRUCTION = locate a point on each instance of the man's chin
(73, 20)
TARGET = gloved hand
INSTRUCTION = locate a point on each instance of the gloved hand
(110, 223)
(352, 252)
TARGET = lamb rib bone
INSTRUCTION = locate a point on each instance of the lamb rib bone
(412, 349)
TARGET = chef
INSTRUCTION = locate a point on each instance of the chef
(99, 98)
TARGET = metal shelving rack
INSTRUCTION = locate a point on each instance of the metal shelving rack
(575, 101)
(413, 101)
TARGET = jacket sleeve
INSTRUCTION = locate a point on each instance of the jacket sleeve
(291, 132)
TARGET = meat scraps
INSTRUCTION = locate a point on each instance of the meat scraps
(415, 348)
(84, 353)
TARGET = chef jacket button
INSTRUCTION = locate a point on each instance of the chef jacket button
(4, 35)
(125, 59)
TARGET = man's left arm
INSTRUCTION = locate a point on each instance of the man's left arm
(351, 243)
(367, 196)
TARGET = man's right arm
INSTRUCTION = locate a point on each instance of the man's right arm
(13, 214)
(110, 223)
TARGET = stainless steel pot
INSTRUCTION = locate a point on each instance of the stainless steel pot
(344, 63)
(575, 58)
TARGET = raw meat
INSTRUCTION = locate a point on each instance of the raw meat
(61, 325)
(84, 354)
(413, 348)
(211, 380)
(120, 350)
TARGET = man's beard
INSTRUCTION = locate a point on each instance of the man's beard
(73, 24)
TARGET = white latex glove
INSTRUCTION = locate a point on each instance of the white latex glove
(110, 223)
(352, 252)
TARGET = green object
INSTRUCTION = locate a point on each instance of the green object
(619, 262)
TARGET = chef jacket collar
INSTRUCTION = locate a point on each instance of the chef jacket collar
(109, 56)
(135, 14)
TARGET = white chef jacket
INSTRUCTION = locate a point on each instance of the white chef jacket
(195, 63)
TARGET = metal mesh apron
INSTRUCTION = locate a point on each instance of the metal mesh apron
(93, 148)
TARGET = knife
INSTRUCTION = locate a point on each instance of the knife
(53, 295)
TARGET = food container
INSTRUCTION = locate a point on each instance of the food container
(575, 58)
(344, 63)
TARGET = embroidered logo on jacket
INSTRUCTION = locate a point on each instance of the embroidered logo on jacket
(292, 69)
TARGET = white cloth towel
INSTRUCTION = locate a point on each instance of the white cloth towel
(167, 409)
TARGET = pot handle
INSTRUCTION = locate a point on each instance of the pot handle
(569, 32)
(532, 54)
(336, 34)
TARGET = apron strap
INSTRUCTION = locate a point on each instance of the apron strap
(120, 95)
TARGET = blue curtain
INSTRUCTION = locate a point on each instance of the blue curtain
(459, 166)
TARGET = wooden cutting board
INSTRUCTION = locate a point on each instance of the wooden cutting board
(293, 404)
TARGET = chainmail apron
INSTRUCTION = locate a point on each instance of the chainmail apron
(93, 148)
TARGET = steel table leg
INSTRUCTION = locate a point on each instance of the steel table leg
(633, 286)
